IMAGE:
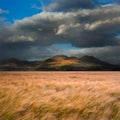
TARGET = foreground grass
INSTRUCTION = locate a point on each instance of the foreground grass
(60, 96)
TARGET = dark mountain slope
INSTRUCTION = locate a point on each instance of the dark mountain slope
(14, 64)
(74, 63)
(59, 63)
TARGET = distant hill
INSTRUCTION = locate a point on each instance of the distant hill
(14, 64)
(59, 63)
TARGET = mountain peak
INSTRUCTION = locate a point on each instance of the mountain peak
(59, 62)
(56, 58)
(91, 59)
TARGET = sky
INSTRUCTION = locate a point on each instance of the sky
(38, 29)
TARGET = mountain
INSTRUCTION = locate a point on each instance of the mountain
(14, 64)
(74, 63)
(59, 63)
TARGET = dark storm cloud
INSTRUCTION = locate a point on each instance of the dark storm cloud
(98, 30)
(50, 28)
(108, 54)
(70, 5)
(27, 51)
(34, 37)
(118, 1)
(29, 38)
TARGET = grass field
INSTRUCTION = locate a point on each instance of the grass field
(59, 95)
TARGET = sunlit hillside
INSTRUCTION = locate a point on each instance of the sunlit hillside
(59, 95)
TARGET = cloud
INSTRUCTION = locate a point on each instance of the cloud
(3, 11)
(67, 5)
(77, 28)
(89, 29)
(118, 1)
(108, 54)
(26, 51)
(68, 29)
(36, 7)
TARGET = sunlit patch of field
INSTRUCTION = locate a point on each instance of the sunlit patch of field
(59, 95)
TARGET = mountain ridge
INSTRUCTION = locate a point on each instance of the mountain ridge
(59, 63)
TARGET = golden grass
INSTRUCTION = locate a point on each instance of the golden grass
(59, 95)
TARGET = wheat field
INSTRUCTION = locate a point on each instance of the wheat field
(59, 95)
